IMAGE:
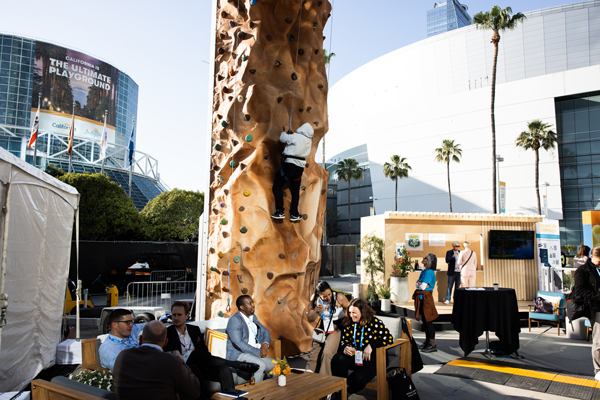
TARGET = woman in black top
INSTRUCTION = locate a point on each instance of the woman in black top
(587, 283)
(362, 334)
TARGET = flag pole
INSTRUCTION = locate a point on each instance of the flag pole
(131, 158)
(101, 143)
(37, 134)
(72, 140)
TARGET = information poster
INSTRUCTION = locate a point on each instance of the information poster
(399, 247)
(437, 239)
(548, 248)
(502, 188)
(414, 241)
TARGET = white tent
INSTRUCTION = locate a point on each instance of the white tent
(36, 226)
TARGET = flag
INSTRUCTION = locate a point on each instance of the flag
(34, 129)
(131, 146)
(104, 142)
(71, 136)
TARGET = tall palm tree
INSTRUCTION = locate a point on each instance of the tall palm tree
(498, 20)
(347, 170)
(538, 136)
(448, 152)
(395, 170)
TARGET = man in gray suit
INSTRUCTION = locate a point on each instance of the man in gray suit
(247, 339)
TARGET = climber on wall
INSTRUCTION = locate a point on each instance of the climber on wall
(297, 148)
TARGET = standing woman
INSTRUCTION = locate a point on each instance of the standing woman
(467, 261)
(581, 257)
(587, 283)
(362, 334)
(424, 304)
(329, 307)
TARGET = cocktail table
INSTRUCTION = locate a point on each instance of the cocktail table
(306, 386)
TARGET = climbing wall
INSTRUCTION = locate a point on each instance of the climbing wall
(268, 61)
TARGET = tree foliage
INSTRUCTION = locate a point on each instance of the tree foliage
(347, 170)
(374, 262)
(395, 170)
(105, 210)
(173, 216)
(54, 170)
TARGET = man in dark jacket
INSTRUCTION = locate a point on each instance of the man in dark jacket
(146, 372)
(587, 283)
(453, 276)
(189, 341)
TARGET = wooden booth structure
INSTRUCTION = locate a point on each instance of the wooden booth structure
(437, 231)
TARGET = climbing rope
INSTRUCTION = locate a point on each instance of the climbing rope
(296, 64)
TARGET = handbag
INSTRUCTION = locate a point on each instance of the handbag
(401, 386)
(576, 308)
(457, 268)
(319, 335)
(417, 362)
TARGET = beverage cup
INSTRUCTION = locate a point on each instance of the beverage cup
(352, 352)
(495, 286)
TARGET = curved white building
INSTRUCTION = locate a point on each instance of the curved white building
(408, 101)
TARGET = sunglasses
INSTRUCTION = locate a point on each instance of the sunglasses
(127, 322)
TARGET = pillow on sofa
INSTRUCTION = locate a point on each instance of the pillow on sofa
(554, 300)
(543, 307)
(216, 342)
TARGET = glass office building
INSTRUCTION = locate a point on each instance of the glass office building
(61, 79)
(447, 16)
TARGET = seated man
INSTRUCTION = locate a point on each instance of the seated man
(146, 372)
(189, 340)
(123, 334)
(247, 339)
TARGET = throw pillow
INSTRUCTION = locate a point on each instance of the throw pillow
(554, 300)
(216, 342)
(542, 306)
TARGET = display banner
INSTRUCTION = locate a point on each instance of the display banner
(591, 228)
(64, 76)
(502, 187)
(548, 245)
(414, 241)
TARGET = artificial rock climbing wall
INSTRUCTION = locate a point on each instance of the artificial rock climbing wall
(268, 61)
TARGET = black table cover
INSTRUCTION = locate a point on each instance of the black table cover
(477, 311)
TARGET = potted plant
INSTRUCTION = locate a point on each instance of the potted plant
(373, 264)
(399, 277)
(385, 294)
(372, 298)
(96, 378)
(280, 370)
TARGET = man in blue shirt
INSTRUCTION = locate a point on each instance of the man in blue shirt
(123, 335)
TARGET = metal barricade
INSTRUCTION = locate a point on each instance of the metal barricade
(169, 275)
(159, 293)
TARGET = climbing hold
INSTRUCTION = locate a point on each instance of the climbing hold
(323, 191)
(225, 273)
(302, 187)
(242, 36)
(220, 254)
(252, 25)
(307, 165)
(316, 51)
(240, 280)
(308, 109)
(279, 99)
(244, 290)
(221, 50)
(216, 167)
(243, 229)
(242, 208)
(315, 23)
(240, 98)
(252, 71)
(213, 269)
(252, 2)
(220, 77)
(301, 109)
(231, 24)
(320, 3)
(220, 313)
(212, 250)
(320, 86)
(225, 289)
(246, 193)
(294, 76)
(225, 235)
(301, 52)
(232, 164)
(246, 248)
(224, 124)
(270, 275)
(231, 72)
(266, 157)
(292, 38)
(218, 146)
(247, 117)
(236, 259)
(277, 64)
(242, 166)
(222, 204)
(235, 142)
(282, 256)
(226, 191)
(324, 37)
(215, 211)
(269, 37)
(316, 123)
(288, 20)
(230, 98)
(304, 217)
(223, 221)
(279, 300)
(248, 138)
(221, 179)
(244, 57)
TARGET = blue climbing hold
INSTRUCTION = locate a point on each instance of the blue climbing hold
(224, 124)
(236, 259)
(248, 138)
(252, 2)
(232, 164)
(218, 147)
(220, 314)
(213, 269)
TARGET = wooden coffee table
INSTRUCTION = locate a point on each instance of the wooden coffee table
(306, 386)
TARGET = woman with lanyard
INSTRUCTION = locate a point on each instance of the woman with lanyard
(425, 310)
(362, 334)
(329, 307)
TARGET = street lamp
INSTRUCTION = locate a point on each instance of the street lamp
(373, 198)
(546, 184)
(499, 159)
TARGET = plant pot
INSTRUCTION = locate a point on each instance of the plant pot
(400, 290)
(281, 380)
(376, 305)
(386, 305)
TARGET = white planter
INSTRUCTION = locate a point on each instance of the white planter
(400, 290)
(386, 305)
(281, 380)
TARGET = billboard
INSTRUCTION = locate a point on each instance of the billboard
(64, 76)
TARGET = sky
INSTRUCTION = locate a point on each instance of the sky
(165, 48)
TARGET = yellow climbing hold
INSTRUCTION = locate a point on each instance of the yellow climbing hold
(220, 254)
(246, 193)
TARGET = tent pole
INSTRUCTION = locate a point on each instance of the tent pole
(4, 296)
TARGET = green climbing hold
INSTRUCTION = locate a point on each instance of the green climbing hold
(218, 147)
(243, 229)
(244, 57)
(213, 269)
(248, 138)
(220, 314)
(223, 221)
(236, 259)
(232, 164)
(224, 124)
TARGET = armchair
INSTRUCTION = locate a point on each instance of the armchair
(554, 318)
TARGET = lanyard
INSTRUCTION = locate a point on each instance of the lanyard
(123, 341)
(362, 335)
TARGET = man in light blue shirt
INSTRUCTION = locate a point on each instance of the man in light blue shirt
(123, 335)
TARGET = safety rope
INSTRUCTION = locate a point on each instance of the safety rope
(296, 64)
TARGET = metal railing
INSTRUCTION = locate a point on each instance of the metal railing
(159, 293)
(169, 275)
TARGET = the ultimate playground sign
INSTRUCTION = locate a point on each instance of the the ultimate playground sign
(64, 77)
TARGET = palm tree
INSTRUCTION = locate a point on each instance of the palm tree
(347, 170)
(395, 170)
(537, 136)
(498, 20)
(448, 152)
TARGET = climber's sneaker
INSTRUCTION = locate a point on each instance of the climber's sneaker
(295, 217)
(278, 215)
